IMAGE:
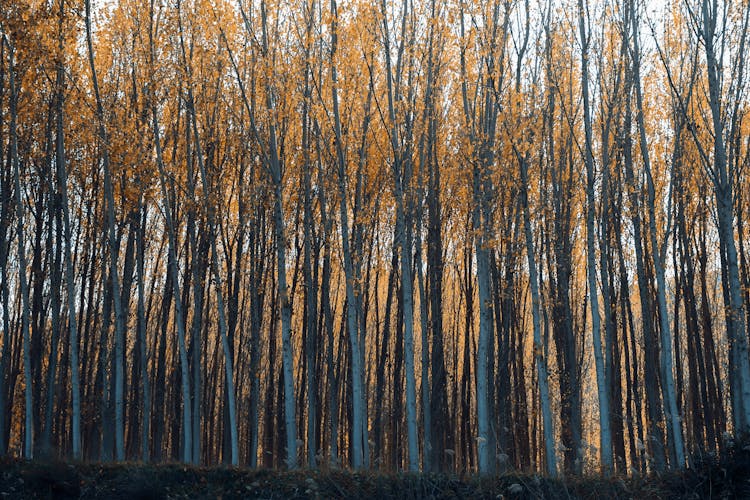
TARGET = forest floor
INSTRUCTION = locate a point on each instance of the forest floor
(727, 477)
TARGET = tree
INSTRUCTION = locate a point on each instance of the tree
(603, 393)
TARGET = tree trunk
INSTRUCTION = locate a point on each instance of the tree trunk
(605, 433)
(28, 442)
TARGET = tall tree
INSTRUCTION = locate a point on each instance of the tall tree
(605, 434)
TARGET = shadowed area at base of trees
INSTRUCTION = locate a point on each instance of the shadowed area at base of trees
(727, 476)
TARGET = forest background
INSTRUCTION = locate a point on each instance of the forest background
(444, 235)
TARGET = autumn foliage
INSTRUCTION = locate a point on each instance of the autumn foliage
(448, 235)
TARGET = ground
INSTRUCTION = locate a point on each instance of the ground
(726, 477)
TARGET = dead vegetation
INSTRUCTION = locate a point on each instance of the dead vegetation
(727, 476)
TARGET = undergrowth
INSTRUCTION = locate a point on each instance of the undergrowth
(726, 476)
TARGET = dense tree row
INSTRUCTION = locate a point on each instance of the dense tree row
(445, 235)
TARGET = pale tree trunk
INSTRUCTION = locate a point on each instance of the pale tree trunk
(286, 320)
(286, 309)
(187, 444)
(274, 169)
(199, 251)
(407, 294)
(401, 166)
(651, 375)
(428, 162)
(481, 122)
(357, 379)
(210, 215)
(214, 263)
(145, 386)
(119, 381)
(45, 448)
(311, 278)
(723, 186)
(539, 348)
(28, 445)
(62, 187)
(561, 187)
(179, 315)
(605, 433)
(610, 97)
(256, 306)
(658, 252)
(55, 209)
(327, 313)
(486, 333)
(425, 359)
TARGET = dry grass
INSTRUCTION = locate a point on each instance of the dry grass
(724, 477)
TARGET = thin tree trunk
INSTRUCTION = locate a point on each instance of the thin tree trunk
(62, 187)
(187, 444)
(673, 415)
(539, 348)
(28, 446)
(113, 251)
(605, 433)
(357, 378)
